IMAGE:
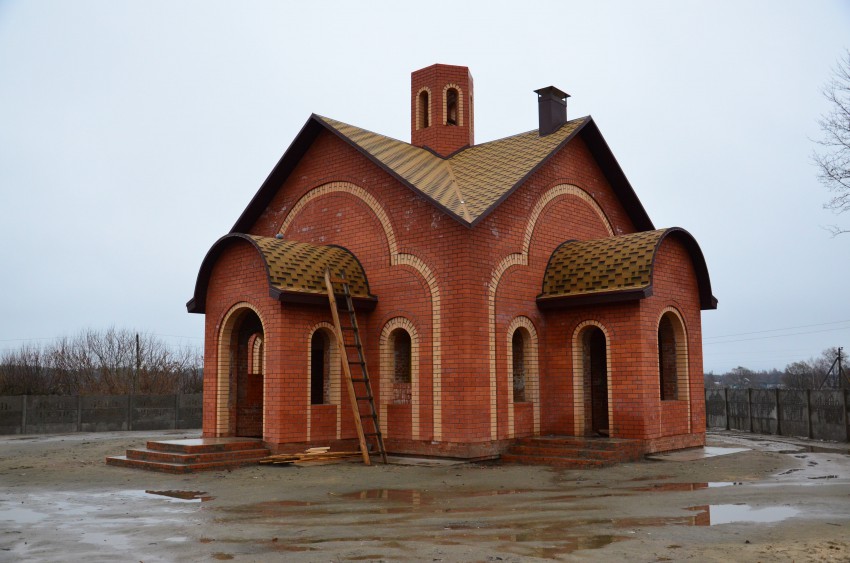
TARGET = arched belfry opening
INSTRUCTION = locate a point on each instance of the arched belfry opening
(423, 110)
(452, 113)
(243, 345)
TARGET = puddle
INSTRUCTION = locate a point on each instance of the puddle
(21, 515)
(183, 496)
(684, 487)
(716, 514)
(694, 454)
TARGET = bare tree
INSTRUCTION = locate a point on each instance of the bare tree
(798, 375)
(102, 363)
(833, 160)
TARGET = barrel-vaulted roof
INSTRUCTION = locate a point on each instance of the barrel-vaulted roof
(468, 184)
(295, 270)
(613, 269)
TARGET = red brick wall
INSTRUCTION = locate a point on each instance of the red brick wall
(462, 262)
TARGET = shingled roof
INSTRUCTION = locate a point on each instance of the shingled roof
(295, 270)
(468, 184)
(614, 269)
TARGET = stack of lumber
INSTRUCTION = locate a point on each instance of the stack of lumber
(311, 456)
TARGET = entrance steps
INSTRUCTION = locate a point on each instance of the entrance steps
(573, 452)
(189, 456)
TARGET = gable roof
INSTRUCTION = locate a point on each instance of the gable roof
(468, 184)
(295, 270)
(613, 269)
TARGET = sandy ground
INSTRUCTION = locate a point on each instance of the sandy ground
(776, 501)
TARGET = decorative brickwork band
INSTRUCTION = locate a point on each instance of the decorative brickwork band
(396, 259)
(521, 259)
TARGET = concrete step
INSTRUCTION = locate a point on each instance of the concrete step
(188, 456)
(174, 457)
(178, 468)
(573, 452)
(561, 462)
(204, 445)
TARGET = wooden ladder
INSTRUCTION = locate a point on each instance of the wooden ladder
(359, 385)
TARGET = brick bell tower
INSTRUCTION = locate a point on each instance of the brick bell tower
(441, 108)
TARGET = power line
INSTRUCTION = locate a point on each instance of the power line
(774, 330)
(778, 336)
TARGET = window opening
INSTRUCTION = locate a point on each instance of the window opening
(401, 347)
(667, 364)
(319, 369)
(424, 110)
(451, 107)
(519, 368)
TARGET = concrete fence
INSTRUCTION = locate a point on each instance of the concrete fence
(43, 414)
(787, 412)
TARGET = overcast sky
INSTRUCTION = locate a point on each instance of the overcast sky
(133, 134)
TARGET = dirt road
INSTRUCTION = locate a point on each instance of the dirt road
(774, 501)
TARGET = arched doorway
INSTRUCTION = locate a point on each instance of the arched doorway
(591, 384)
(246, 365)
(597, 373)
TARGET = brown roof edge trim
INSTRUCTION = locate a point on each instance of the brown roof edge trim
(536, 167)
(395, 174)
(616, 177)
(580, 300)
(278, 175)
(707, 301)
(198, 303)
(320, 299)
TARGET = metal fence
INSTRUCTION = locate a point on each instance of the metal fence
(787, 412)
(43, 414)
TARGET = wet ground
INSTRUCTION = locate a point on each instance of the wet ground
(744, 498)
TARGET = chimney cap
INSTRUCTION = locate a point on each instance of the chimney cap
(552, 92)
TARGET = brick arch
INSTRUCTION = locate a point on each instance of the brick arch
(334, 374)
(459, 104)
(683, 376)
(578, 376)
(532, 381)
(396, 259)
(225, 333)
(521, 259)
(400, 323)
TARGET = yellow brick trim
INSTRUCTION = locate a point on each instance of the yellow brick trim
(348, 188)
(222, 393)
(521, 259)
(396, 259)
(419, 109)
(459, 104)
(579, 406)
(683, 375)
(334, 374)
(387, 371)
(532, 376)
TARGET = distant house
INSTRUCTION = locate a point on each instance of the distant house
(507, 289)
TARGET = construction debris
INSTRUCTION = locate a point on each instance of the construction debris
(311, 456)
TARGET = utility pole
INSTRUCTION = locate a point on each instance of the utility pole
(138, 364)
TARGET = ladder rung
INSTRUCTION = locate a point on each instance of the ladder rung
(364, 398)
(352, 345)
(360, 380)
(371, 434)
(356, 363)
(335, 279)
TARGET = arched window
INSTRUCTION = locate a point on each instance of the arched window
(256, 345)
(400, 345)
(424, 110)
(452, 117)
(320, 381)
(672, 357)
(519, 345)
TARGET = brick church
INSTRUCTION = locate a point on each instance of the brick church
(507, 289)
